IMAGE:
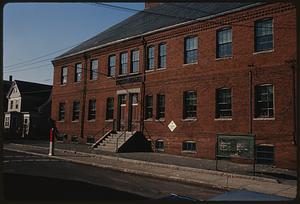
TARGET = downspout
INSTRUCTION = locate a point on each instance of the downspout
(143, 84)
(83, 96)
(250, 99)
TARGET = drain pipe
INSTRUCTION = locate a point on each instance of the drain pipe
(143, 85)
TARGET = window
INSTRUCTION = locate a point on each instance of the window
(112, 65)
(224, 43)
(61, 113)
(60, 138)
(150, 60)
(265, 154)
(92, 110)
(74, 139)
(122, 98)
(134, 98)
(190, 104)
(94, 70)
(149, 108)
(6, 121)
(110, 108)
(134, 61)
(123, 64)
(223, 103)
(263, 35)
(162, 56)
(159, 145)
(17, 104)
(78, 69)
(90, 139)
(11, 104)
(160, 112)
(64, 75)
(190, 50)
(189, 146)
(76, 110)
(264, 101)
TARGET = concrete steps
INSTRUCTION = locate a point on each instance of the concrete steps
(110, 142)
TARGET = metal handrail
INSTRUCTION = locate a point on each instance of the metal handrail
(117, 143)
(103, 133)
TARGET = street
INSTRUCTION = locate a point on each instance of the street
(67, 180)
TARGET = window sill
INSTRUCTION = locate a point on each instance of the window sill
(188, 151)
(160, 120)
(161, 68)
(150, 70)
(265, 51)
(91, 121)
(75, 121)
(60, 121)
(122, 75)
(189, 119)
(223, 58)
(263, 118)
(63, 84)
(133, 73)
(110, 77)
(220, 119)
(91, 80)
(76, 82)
(109, 120)
(193, 63)
(149, 120)
(159, 150)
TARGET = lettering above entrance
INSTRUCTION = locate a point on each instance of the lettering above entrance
(128, 79)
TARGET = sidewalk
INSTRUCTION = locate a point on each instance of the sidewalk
(182, 169)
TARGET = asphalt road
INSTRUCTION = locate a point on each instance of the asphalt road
(34, 177)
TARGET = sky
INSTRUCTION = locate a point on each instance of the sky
(33, 30)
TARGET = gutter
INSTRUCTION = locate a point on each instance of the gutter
(162, 29)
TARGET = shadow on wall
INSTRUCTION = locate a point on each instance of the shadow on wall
(137, 143)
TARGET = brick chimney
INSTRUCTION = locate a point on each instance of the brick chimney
(151, 4)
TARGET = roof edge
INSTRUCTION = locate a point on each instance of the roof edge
(162, 29)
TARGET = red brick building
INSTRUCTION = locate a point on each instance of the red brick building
(209, 67)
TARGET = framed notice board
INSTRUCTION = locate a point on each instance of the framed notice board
(235, 145)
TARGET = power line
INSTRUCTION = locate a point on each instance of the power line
(19, 70)
(33, 59)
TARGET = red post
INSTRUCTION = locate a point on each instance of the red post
(51, 143)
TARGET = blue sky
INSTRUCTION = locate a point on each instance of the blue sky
(31, 30)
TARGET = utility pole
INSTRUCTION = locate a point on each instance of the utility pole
(82, 118)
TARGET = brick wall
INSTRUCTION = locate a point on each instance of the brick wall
(205, 77)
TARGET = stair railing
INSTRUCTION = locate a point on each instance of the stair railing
(117, 143)
(105, 134)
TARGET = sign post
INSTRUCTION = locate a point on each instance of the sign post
(51, 148)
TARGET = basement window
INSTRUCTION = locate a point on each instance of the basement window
(265, 154)
(90, 139)
(189, 146)
(74, 139)
(159, 145)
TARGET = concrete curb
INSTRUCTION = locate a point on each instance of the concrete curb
(130, 171)
(182, 168)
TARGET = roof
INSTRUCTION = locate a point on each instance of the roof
(33, 94)
(6, 86)
(158, 17)
(26, 87)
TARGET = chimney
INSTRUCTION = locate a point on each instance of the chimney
(151, 4)
(10, 77)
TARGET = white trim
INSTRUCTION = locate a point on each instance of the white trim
(220, 119)
(263, 118)
(164, 28)
(265, 51)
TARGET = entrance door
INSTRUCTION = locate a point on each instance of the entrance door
(133, 115)
(121, 121)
